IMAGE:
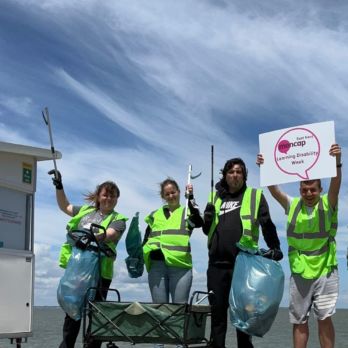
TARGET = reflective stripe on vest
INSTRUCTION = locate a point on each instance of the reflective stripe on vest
(169, 232)
(322, 250)
(311, 239)
(171, 236)
(248, 214)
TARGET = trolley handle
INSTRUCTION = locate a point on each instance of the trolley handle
(102, 246)
(116, 292)
(84, 237)
(98, 227)
(195, 296)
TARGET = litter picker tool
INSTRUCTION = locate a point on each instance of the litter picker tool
(46, 118)
(189, 178)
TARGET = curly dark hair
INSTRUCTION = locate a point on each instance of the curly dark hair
(228, 165)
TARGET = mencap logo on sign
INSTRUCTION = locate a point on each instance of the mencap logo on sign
(297, 151)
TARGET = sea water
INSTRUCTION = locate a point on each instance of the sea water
(48, 322)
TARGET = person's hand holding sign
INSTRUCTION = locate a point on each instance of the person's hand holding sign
(259, 159)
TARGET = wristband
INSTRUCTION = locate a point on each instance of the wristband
(339, 165)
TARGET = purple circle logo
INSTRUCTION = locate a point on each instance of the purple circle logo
(297, 151)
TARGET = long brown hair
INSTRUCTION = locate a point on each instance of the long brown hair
(110, 187)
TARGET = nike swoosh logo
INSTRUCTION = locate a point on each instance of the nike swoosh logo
(229, 209)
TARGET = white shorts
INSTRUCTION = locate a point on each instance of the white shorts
(321, 293)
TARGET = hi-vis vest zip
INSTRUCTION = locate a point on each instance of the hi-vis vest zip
(311, 238)
(248, 215)
(171, 236)
(107, 262)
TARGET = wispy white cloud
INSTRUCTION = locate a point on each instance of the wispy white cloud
(178, 77)
(233, 52)
(8, 134)
(19, 105)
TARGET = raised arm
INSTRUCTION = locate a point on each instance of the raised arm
(63, 202)
(279, 195)
(275, 191)
(335, 182)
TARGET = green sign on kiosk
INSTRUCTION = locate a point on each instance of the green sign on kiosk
(27, 173)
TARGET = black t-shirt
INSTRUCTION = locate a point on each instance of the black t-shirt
(229, 229)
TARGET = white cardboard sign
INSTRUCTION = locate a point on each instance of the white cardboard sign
(297, 153)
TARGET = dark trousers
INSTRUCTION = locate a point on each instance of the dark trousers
(71, 327)
(219, 281)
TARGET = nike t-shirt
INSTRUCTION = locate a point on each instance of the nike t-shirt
(229, 229)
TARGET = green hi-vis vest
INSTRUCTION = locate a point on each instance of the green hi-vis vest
(311, 238)
(107, 263)
(171, 236)
(248, 215)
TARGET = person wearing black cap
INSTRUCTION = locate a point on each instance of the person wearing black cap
(228, 221)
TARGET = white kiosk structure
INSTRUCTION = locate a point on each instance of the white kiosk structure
(18, 170)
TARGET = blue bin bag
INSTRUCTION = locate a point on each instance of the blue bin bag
(81, 273)
(256, 291)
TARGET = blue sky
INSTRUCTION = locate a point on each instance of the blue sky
(138, 90)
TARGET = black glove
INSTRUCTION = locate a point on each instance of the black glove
(189, 195)
(209, 213)
(57, 179)
(273, 254)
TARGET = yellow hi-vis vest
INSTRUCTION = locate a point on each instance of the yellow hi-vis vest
(248, 215)
(311, 238)
(171, 236)
(106, 262)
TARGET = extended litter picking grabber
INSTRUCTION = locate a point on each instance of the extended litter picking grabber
(46, 117)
